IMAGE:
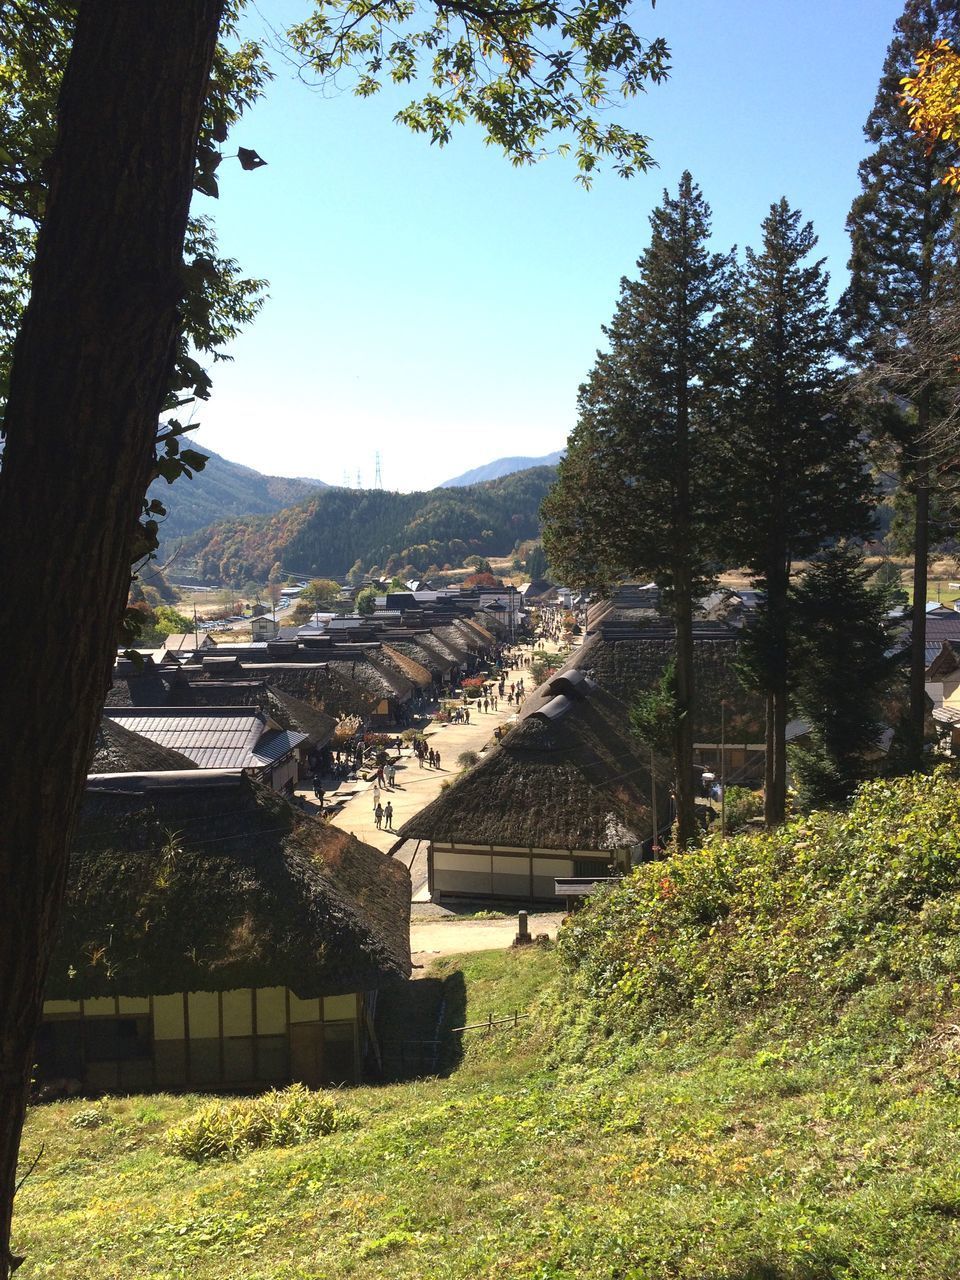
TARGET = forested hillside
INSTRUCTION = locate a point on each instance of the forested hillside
(333, 529)
(223, 489)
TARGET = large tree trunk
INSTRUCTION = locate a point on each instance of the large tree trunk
(90, 370)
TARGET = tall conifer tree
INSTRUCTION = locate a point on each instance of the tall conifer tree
(636, 488)
(842, 627)
(900, 228)
(799, 475)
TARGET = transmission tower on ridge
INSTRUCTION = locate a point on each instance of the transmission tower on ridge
(359, 485)
(346, 478)
(377, 479)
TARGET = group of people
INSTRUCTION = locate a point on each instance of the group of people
(383, 814)
(387, 774)
(425, 754)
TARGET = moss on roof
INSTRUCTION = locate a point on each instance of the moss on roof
(211, 882)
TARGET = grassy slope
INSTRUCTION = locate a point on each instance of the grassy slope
(795, 1117)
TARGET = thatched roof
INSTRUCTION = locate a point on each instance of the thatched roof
(376, 678)
(321, 685)
(120, 750)
(209, 882)
(624, 662)
(136, 686)
(567, 776)
(445, 655)
(453, 642)
(292, 713)
(406, 665)
(478, 631)
(423, 655)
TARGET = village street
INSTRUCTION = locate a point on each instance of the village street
(434, 931)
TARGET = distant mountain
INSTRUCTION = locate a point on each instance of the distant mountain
(325, 534)
(221, 490)
(502, 467)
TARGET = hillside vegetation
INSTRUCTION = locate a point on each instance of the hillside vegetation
(327, 533)
(744, 1064)
(220, 490)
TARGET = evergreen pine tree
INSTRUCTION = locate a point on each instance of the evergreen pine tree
(799, 476)
(636, 489)
(842, 628)
(900, 228)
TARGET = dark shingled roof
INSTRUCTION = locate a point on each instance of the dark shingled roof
(120, 750)
(567, 776)
(210, 881)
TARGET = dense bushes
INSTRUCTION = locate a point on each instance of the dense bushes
(279, 1118)
(807, 915)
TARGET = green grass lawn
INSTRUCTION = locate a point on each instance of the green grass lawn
(748, 1160)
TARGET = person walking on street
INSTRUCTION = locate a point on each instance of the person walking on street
(392, 775)
(378, 815)
(388, 816)
(436, 757)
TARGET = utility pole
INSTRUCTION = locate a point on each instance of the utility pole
(377, 479)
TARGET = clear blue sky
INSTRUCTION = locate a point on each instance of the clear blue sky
(441, 306)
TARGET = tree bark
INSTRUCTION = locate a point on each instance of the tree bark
(91, 366)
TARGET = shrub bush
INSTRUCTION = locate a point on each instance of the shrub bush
(279, 1118)
(804, 917)
(742, 804)
(467, 759)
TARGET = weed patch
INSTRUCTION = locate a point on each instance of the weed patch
(280, 1118)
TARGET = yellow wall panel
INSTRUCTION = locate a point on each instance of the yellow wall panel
(238, 1012)
(61, 1006)
(271, 1011)
(101, 1007)
(204, 1010)
(134, 1004)
(168, 1017)
(335, 1007)
(304, 1010)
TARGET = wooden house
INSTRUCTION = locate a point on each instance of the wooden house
(214, 937)
(566, 794)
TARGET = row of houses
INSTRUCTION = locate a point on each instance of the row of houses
(214, 935)
(569, 794)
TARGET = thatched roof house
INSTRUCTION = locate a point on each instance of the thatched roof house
(567, 793)
(212, 934)
(406, 665)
